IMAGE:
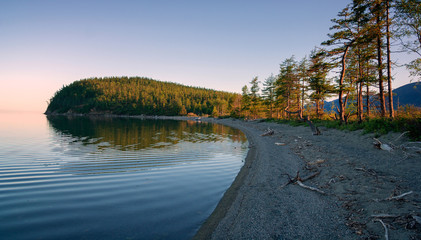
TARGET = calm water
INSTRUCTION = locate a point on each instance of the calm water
(99, 178)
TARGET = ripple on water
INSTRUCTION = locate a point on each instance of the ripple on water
(114, 180)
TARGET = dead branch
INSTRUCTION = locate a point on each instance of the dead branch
(400, 136)
(383, 215)
(268, 132)
(399, 196)
(280, 144)
(381, 145)
(369, 171)
(310, 188)
(311, 176)
(298, 180)
(386, 233)
(315, 129)
(317, 162)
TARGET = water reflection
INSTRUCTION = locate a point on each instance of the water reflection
(96, 145)
(112, 178)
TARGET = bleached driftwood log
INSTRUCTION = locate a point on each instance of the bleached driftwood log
(381, 145)
(310, 188)
(399, 196)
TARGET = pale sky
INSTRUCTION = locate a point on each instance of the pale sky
(219, 44)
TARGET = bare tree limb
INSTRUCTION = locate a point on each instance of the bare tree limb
(298, 180)
(400, 136)
(383, 215)
(310, 188)
(386, 232)
(399, 196)
(268, 132)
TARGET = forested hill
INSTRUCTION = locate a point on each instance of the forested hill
(137, 95)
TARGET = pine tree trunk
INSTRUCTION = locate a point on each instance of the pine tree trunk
(317, 108)
(368, 101)
(380, 69)
(300, 113)
(302, 100)
(360, 89)
(389, 68)
(367, 69)
(341, 83)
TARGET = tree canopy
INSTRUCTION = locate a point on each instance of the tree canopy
(137, 96)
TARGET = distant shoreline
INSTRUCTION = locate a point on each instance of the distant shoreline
(127, 116)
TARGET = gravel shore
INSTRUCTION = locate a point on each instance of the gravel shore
(358, 179)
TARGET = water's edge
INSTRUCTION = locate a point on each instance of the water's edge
(209, 226)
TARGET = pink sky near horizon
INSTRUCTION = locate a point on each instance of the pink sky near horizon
(220, 45)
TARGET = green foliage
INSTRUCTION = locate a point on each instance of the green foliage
(288, 86)
(136, 96)
(379, 126)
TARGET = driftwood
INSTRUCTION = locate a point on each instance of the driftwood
(316, 130)
(383, 215)
(386, 232)
(298, 180)
(400, 136)
(268, 132)
(381, 145)
(310, 188)
(399, 196)
(406, 146)
(369, 171)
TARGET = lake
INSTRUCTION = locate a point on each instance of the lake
(112, 178)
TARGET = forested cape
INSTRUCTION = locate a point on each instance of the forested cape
(139, 96)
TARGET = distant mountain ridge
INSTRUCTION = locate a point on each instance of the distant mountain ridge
(409, 94)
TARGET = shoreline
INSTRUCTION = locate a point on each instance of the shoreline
(211, 223)
(359, 180)
(357, 177)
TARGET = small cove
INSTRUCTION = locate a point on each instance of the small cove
(112, 178)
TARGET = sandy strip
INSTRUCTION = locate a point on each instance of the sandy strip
(356, 177)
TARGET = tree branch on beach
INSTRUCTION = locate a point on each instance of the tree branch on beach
(298, 180)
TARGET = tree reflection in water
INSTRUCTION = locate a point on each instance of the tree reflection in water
(97, 144)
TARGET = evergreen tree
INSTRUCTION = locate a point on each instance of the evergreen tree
(303, 76)
(254, 97)
(245, 101)
(408, 19)
(269, 94)
(135, 96)
(318, 81)
(351, 30)
(288, 86)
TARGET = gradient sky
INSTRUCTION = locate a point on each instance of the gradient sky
(46, 44)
